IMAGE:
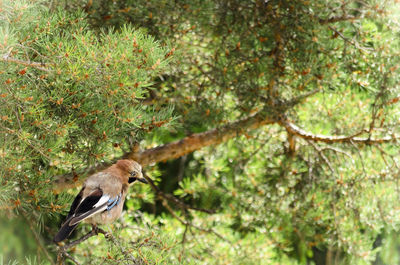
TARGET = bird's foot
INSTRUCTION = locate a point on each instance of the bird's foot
(95, 229)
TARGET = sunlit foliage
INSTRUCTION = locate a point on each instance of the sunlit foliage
(83, 81)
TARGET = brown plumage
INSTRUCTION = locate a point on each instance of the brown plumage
(102, 196)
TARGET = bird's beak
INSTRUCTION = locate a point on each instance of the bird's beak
(143, 180)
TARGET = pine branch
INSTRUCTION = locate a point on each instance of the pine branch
(95, 231)
(62, 252)
(6, 58)
(178, 148)
(337, 19)
(199, 140)
(295, 130)
(216, 136)
(351, 42)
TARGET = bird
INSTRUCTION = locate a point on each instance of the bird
(102, 197)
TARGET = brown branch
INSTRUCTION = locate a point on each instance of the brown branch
(337, 19)
(62, 252)
(178, 148)
(292, 144)
(295, 130)
(39, 66)
(214, 137)
(352, 42)
(95, 231)
(199, 140)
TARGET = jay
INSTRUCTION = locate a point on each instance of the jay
(102, 196)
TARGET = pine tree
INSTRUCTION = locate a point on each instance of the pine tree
(290, 108)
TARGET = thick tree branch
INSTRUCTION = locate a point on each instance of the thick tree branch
(199, 140)
(178, 148)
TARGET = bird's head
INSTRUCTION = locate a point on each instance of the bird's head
(133, 170)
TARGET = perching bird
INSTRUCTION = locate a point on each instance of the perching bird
(102, 196)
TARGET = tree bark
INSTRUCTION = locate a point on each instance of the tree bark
(199, 140)
(175, 149)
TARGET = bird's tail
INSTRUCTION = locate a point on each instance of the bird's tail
(65, 230)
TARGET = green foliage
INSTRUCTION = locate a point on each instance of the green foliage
(78, 103)
(82, 81)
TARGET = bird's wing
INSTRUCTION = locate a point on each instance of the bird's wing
(95, 202)
(75, 203)
(77, 207)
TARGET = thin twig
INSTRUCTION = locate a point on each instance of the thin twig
(36, 65)
(95, 231)
(337, 19)
(66, 254)
(183, 241)
(337, 150)
(111, 238)
(360, 156)
(321, 154)
(383, 154)
(355, 44)
(32, 49)
(166, 205)
(294, 129)
(208, 230)
(80, 240)
(175, 200)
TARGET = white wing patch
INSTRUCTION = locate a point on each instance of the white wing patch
(102, 200)
(100, 206)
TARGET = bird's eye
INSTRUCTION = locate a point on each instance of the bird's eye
(133, 173)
